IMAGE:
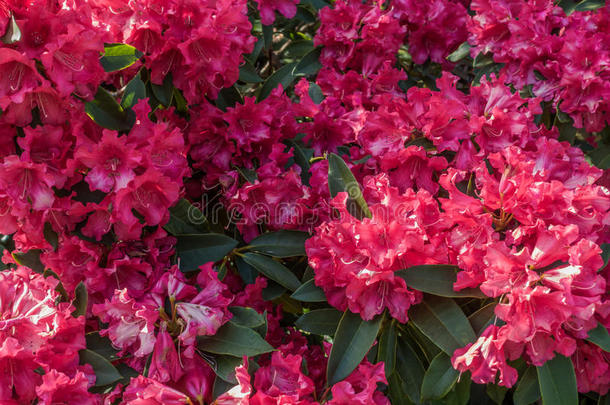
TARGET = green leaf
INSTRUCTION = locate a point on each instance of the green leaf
(164, 92)
(13, 33)
(301, 159)
(234, 340)
(496, 393)
(80, 300)
(134, 92)
(410, 369)
(119, 56)
(101, 345)
(600, 337)
(280, 244)
(197, 249)
(436, 279)
(228, 97)
(248, 73)
(224, 366)
(340, 178)
(558, 381)
(50, 235)
(443, 322)
(600, 156)
(353, 339)
(439, 378)
(281, 76)
(268, 36)
(528, 390)
(397, 390)
(220, 387)
(320, 321)
(185, 218)
(105, 372)
(247, 317)
(273, 291)
(310, 64)
(30, 259)
(107, 113)
(247, 273)
(482, 318)
(309, 292)
(315, 93)
(590, 5)
(317, 4)
(386, 350)
(605, 254)
(460, 53)
(273, 270)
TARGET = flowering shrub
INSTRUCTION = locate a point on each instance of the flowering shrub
(354, 202)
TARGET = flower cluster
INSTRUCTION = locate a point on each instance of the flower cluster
(198, 197)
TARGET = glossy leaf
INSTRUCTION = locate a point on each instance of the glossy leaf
(439, 378)
(195, 250)
(283, 76)
(443, 322)
(482, 318)
(340, 178)
(528, 390)
(386, 350)
(119, 56)
(600, 337)
(273, 270)
(247, 317)
(437, 279)
(410, 369)
(12, 33)
(107, 113)
(80, 300)
(248, 74)
(320, 321)
(310, 64)
(557, 381)
(234, 340)
(309, 292)
(283, 243)
(353, 339)
(105, 372)
(134, 92)
(30, 259)
(185, 218)
(164, 92)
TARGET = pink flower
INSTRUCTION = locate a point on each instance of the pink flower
(57, 387)
(485, 358)
(146, 391)
(19, 76)
(240, 394)
(360, 387)
(131, 326)
(165, 365)
(266, 8)
(28, 184)
(111, 161)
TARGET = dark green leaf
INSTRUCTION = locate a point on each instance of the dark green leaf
(437, 279)
(228, 97)
(459, 395)
(605, 254)
(272, 291)
(80, 300)
(600, 156)
(165, 91)
(119, 56)
(310, 64)
(439, 378)
(460, 53)
(224, 366)
(281, 243)
(482, 318)
(301, 159)
(353, 339)
(281, 76)
(247, 317)
(528, 390)
(340, 178)
(496, 393)
(13, 33)
(220, 387)
(315, 92)
(558, 382)
(320, 321)
(309, 292)
(234, 340)
(30, 259)
(107, 113)
(268, 36)
(443, 322)
(50, 235)
(298, 49)
(317, 4)
(397, 390)
(273, 270)
(386, 350)
(247, 273)
(101, 345)
(248, 74)
(197, 249)
(134, 92)
(410, 369)
(105, 372)
(590, 5)
(600, 337)
(185, 218)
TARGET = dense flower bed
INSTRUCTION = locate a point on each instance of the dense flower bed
(284, 202)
